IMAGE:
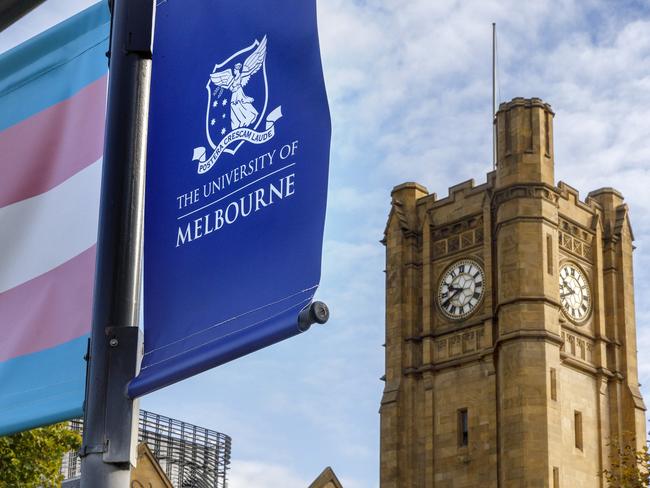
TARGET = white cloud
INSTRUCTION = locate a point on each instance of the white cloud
(255, 474)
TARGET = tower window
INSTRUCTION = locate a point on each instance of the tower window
(549, 254)
(507, 134)
(577, 416)
(547, 134)
(531, 146)
(556, 477)
(463, 428)
(553, 384)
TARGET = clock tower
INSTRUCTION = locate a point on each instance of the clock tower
(510, 331)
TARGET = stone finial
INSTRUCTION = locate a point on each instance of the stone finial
(524, 142)
(614, 209)
(417, 190)
(404, 201)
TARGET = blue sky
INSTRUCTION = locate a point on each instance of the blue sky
(410, 92)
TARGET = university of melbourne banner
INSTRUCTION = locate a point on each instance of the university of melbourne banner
(237, 172)
(52, 108)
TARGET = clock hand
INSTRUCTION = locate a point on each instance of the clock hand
(565, 284)
(456, 292)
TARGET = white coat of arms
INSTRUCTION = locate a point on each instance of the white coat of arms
(237, 103)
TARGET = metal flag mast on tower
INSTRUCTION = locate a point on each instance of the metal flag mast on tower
(494, 95)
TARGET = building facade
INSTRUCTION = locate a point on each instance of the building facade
(511, 354)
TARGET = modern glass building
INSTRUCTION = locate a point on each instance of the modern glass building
(191, 456)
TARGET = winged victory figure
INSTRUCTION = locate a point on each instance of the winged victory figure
(242, 112)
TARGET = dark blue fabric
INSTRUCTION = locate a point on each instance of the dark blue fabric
(233, 239)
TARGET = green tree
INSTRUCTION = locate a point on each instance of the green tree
(630, 468)
(33, 458)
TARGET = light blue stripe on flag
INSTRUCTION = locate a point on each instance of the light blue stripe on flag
(43, 388)
(54, 65)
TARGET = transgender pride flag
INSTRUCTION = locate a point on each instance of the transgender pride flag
(52, 105)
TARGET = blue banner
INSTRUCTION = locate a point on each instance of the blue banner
(238, 155)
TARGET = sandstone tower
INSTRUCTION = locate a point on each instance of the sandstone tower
(510, 332)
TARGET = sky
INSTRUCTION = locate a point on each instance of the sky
(409, 86)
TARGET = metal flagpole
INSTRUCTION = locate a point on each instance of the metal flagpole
(110, 418)
(494, 96)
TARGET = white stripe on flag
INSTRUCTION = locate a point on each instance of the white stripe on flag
(47, 230)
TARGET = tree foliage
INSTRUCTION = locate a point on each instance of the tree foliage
(33, 458)
(630, 468)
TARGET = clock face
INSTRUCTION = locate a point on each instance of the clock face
(461, 289)
(575, 295)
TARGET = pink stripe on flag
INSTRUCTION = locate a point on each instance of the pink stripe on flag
(46, 149)
(49, 310)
